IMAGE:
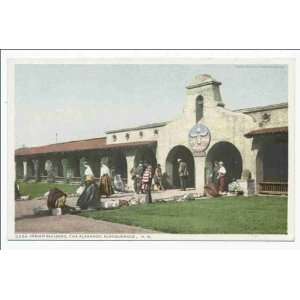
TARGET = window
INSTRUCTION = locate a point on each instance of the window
(155, 131)
(114, 137)
(199, 108)
(141, 134)
(127, 136)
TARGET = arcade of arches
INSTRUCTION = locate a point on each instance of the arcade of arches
(70, 167)
(271, 163)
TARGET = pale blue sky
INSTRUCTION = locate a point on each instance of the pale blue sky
(83, 101)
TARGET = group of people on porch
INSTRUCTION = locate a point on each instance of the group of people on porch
(142, 177)
(145, 179)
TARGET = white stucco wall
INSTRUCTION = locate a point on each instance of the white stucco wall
(148, 134)
(278, 117)
(224, 125)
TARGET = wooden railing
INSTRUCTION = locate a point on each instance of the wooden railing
(273, 187)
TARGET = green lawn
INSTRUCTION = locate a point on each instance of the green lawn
(231, 215)
(40, 188)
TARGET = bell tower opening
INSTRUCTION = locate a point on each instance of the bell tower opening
(199, 108)
(203, 93)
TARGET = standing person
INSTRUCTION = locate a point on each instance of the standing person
(146, 183)
(105, 181)
(139, 176)
(158, 178)
(215, 175)
(183, 173)
(133, 177)
(221, 177)
(104, 169)
(87, 170)
(118, 183)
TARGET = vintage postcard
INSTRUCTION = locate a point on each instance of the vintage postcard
(144, 147)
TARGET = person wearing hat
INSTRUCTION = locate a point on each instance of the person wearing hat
(106, 187)
(88, 171)
(183, 173)
(85, 170)
(90, 197)
(221, 177)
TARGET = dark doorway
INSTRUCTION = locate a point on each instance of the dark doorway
(30, 169)
(42, 168)
(172, 176)
(230, 156)
(119, 165)
(147, 155)
(59, 168)
(19, 169)
(75, 163)
(272, 162)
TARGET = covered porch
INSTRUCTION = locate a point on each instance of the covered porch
(64, 162)
(271, 159)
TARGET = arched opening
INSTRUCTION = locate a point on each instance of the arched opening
(58, 168)
(81, 162)
(96, 166)
(172, 176)
(30, 168)
(146, 155)
(230, 156)
(19, 169)
(199, 108)
(75, 165)
(48, 167)
(119, 165)
(94, 162)
(43, 170)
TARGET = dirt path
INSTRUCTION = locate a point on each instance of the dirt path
(26, 222)
(72, 224)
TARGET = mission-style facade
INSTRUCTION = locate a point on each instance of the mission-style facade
(252, 143)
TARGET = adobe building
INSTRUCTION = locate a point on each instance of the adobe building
(252, 143)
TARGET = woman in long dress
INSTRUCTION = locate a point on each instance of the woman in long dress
(105, 181)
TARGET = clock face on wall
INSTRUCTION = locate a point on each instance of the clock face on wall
(199, 139)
